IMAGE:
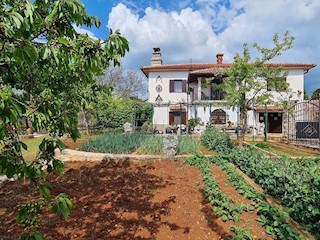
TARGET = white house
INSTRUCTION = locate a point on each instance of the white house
(180, 92)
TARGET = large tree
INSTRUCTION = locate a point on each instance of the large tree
(44, 64)
(125, 83)
(250, 81)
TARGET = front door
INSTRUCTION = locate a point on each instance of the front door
(275, 122)
(218, 116)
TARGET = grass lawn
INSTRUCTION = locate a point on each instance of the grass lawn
(285, 150)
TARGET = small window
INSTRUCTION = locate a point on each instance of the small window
(178, 86)
(175, 118)
(279, 84)
(261, 117)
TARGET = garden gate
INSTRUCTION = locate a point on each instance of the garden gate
(304, 123)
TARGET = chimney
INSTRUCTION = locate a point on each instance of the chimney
(219, 58)
(156, 58)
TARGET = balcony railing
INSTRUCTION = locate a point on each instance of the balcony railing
(214, 95)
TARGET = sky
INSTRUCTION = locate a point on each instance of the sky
(196, 30)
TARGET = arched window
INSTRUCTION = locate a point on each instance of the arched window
(218, 116)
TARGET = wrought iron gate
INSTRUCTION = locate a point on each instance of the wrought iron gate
(304, 123)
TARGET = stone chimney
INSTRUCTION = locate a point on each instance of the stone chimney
(156, 58)
(219, 58)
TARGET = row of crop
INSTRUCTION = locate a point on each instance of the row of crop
(273, 219)
(295, 182)
(221, 203)
(142, 143)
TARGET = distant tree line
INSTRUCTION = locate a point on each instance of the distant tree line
(117, 98)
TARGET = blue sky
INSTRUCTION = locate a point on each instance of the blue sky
(195, 30)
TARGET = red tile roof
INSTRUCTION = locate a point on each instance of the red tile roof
(174, 108)
(207, 66)
(270, 108)
(213, 70)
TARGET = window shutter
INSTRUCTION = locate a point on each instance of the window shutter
(184, 119)
(171, 89)
(171, 118)
(184, 86)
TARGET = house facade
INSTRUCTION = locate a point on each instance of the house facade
(180, 92)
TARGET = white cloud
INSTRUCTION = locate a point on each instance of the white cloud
(220, 26)
(181, 35)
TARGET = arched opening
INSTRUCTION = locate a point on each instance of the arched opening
(218, 116)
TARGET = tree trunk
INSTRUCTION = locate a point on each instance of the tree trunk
(243, 124)
(84, 118)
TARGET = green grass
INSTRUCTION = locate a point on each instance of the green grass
(270, 147)
(188, 144)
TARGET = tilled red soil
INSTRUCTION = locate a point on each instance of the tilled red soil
(128, 200)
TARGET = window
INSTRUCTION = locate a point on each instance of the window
(279, 84)
(174, 118)
(178, 86)
(218, 94)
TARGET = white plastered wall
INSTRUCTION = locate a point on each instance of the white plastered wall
(161, 113)
(204, 112)
(164, 82)
(295, 79)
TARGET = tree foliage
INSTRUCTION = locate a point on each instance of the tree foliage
(44, 65)
(125, 83)
(113, 112)
(305, 95)
(315, 94)
(250, 82)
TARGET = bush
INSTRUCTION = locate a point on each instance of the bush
(216, 140)
(192, 122)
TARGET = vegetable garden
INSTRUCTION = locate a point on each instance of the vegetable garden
(202, 198)
(139, 143)
(294, 182)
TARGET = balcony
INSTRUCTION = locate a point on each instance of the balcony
(209, 95)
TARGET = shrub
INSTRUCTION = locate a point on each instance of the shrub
(192, 122)
(216, 140)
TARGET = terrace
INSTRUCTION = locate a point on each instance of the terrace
(205, 84)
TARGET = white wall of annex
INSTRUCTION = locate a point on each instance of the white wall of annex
(161, 116)
(165, 84)
(295, 79)
(204, 113)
